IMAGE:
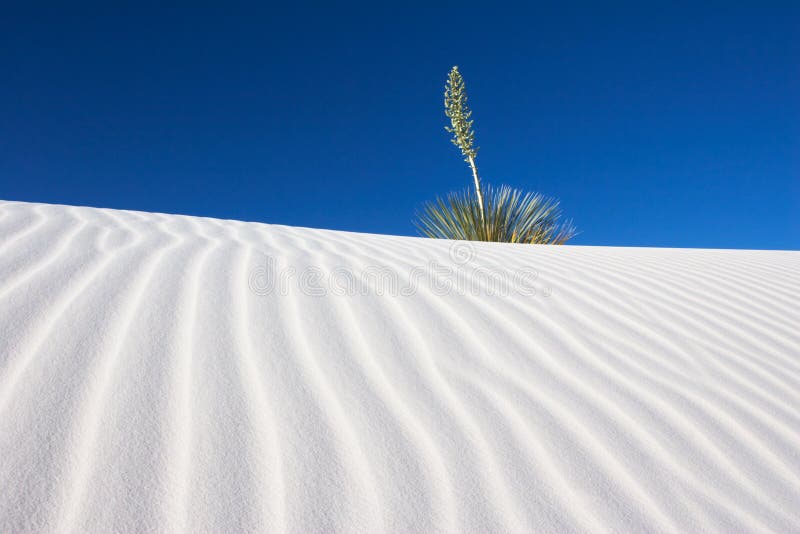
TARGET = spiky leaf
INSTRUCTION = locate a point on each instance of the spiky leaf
(512, 216)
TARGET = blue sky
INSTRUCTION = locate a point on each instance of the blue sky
(666, 126)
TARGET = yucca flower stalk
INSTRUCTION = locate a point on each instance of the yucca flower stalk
(455, 108)
(486, 213)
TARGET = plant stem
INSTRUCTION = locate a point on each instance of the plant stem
(478, 188)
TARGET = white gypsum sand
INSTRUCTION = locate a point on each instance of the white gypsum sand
(164, 373)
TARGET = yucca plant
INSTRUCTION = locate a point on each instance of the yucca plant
(486, 213)
(503, 214)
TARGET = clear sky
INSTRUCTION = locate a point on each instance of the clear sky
(655, 126)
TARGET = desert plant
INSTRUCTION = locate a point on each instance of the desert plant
(507, 215)
(486, 213)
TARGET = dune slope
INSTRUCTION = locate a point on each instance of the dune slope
(165, 373)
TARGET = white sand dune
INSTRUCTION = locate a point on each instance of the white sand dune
(164, 373)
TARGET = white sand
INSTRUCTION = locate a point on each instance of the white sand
(152, 381)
